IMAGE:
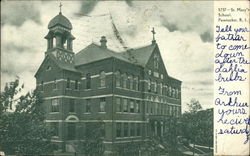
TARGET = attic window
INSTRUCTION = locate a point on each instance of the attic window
(48, 68)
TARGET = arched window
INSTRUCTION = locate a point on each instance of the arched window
(68, 83)
(88, 81)
(102, 79)
(173, 93)
(156, 61)
(117, 79)
(54, 42)
(124, 80)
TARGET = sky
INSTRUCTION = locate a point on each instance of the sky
(184, 34)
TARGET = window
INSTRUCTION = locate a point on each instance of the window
(149, 85)
(161, 89)
(71, 131)
(130, 81)
(55, 84)
(170, 91)
(173, 92)
(136, 83)
(71, 105)
(151, 108)
(102, 127)
(156, 61)
(55, 105)
(76, 84)
(88, 81)
(125, 129)
(118, 104)
(117, 79)
(170, 110)
(156, 109)
(138, 129)
(132, 106)
(54, 128)
(155, 86)
(42, 86)
(125, 105)
(166, 90)
(137, 106)
(102, 79)
(118, 129)
(88, 106)
(132, 129)
(102, 104)
(124, 80)
(68, 83)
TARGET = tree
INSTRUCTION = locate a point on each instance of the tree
(197, 124)
(93, 143)
(22, 127)
(194, 106)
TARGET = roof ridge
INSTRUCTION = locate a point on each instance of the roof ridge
(139, 47)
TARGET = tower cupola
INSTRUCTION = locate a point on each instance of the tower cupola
(59, 35)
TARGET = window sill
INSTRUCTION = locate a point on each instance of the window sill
(87, 113)
(102, 87)
(129, 137)
(102, 112)
(54, 113)
(72, 112)
(55, 137)
(87, 89)
(126, 113)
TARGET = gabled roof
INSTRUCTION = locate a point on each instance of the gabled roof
(94, 52)
(139, 55)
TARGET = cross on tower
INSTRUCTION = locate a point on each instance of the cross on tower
(60, 6)
(153, 32)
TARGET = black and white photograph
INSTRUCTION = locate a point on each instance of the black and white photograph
(107, 78)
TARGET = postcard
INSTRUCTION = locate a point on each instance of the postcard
(124, 78)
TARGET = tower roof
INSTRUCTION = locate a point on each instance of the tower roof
(60, 20)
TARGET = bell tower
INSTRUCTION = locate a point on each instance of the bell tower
(59, 38)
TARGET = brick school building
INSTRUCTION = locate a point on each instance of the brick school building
(128, 95)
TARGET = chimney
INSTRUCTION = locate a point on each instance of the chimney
(103, 42)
